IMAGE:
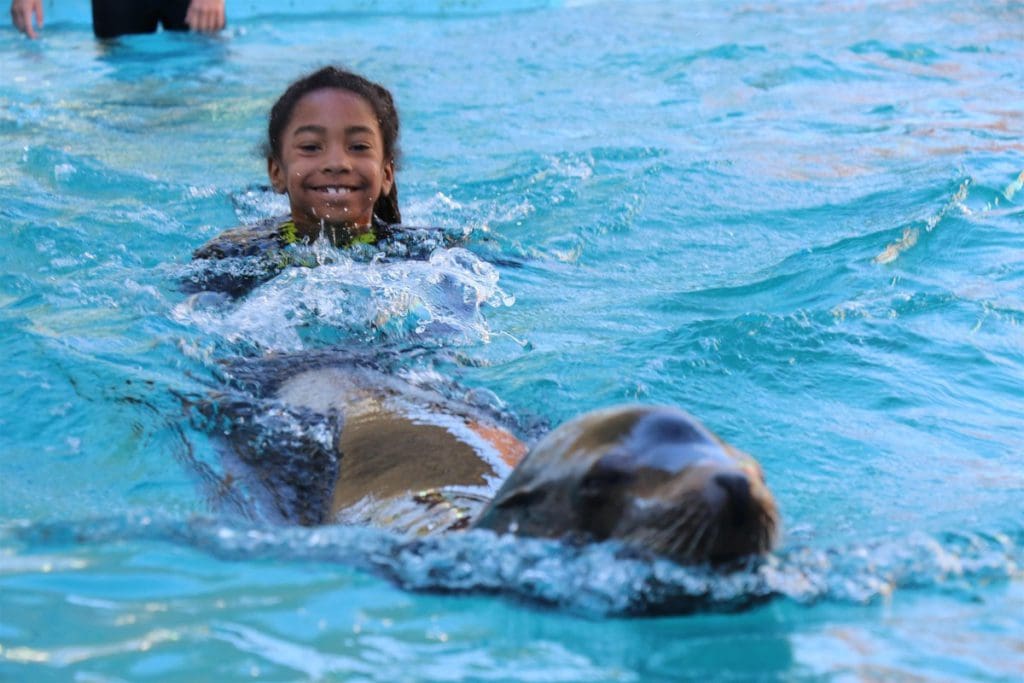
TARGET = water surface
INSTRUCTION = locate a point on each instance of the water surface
(801, 222)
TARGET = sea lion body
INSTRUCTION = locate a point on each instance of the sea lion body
(339, 439)
(651, 477)
(400, 451)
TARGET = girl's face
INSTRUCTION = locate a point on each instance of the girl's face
(332, 164)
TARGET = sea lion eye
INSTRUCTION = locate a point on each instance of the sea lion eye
(601, 479)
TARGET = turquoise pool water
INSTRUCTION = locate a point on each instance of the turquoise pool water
(802, 222)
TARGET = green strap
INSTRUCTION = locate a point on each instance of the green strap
(289, 235)
(368, 237)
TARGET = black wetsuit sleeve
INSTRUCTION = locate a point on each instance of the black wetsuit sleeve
(240, 242)
(235, 261)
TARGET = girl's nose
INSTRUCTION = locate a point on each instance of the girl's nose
(337, 160)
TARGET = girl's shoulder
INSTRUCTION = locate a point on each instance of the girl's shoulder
(238, 259)
(248, 240)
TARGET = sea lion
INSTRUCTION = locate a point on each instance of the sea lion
(336, 438)
(652, 477)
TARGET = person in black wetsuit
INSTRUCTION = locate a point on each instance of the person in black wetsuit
(111, 18)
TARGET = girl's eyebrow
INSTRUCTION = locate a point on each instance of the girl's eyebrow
(310, 128)
(320, 130)
(352, 130)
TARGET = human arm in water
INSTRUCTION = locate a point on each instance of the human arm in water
(203, 16)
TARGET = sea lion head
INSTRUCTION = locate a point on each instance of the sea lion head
(652, 477)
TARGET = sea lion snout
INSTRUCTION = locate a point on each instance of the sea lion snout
(738, 501)
(714, 511)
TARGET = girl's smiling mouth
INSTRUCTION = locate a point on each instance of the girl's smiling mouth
(334, 189)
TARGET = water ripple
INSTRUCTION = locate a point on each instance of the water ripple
(599, 579)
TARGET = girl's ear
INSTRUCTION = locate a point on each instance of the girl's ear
(276, 173)
(389, 178)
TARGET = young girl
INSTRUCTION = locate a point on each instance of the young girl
(332, 147)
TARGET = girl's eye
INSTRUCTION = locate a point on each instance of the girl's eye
(360, 147)
(308, 146)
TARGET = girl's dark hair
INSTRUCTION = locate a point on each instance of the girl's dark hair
(378, 98)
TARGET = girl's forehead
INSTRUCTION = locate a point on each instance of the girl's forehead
(336, 105)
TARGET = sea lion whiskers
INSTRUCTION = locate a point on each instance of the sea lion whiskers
(769, 524)
(690, 530)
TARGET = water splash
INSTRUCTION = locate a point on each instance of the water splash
(596, 580)
(350, 298)
(257, 203)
